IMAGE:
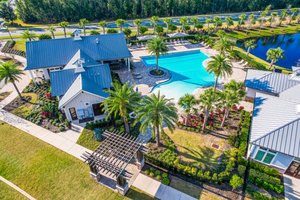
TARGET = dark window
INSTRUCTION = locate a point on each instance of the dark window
(73, 113)
(98, 109)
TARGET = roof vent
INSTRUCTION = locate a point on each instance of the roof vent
(79, 68)
(76, 34)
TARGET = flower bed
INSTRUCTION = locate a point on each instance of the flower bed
(157, 174)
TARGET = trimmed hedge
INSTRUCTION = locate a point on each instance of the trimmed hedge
(265, 169)
(259, 196)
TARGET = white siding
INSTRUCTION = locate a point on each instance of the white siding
(250, 93)
(81, 101)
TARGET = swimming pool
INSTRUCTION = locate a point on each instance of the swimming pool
(188, 73)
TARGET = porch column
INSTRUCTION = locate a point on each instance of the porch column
(140, 161)
(31, 75)
(128, 64)
(122, 185)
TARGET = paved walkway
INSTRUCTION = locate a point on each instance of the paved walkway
(291, 187)
(159, 190)
(16, 188)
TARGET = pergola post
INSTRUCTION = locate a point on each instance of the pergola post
(128, 64)
(122, 185)
(140, 161)
(94, 172)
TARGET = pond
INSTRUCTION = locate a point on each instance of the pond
(289, 43)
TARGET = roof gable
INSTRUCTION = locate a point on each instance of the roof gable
(58, 52)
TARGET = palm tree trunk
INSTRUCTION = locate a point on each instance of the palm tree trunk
(127, 130)
(205, 120)
(65, 32)
(103, 29)
(271, 64)
(84, 30)
(290, 21)
(167, 29)
(9, 34)
(248, 51)
(216, 83)
(15, 86)
(53, 36)
(157, 136)
(138, 30)
(156, 63)
(225, 116)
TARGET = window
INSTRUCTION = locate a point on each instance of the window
(264, 155)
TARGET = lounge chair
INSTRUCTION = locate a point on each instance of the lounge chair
(135, 73)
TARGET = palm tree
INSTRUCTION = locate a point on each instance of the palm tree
(157, 111)
(27, 35)
(251, 21)
(103, 24)
(167, 22)
(249, 44)
(51, 29)
(154, 20)
(208, 21)
(64, 26)
(82, 23)
(262, 19)
(208, 101)
(183, 21)
(5, 25)
(121, 101)
(282, 16)
(242, 19)
(120, 23)
(138, 22)
(187, 102)
(273, 15)
(11, 74)
(217, 21)
(157, 47)
(274, 55)
(194, 20)
(223, 45)
(229, 21)
(294, 12)
(220, 66)
(233, 94)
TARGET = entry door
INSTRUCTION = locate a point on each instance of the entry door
(294, 169)
(73, 113)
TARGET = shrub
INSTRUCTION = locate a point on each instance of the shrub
(127, 32)
(45, 37)
(143, 29)
(152, 169)
(172, 27)
(236, 181)
(157, 172)
(151, 174)
(266, 169)
(164, 175)
(94, 32)
(158, 177)
(111, 30)
(147, 172)
(241, 170)
(165, 181)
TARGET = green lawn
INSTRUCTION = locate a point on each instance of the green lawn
(87, 140)
(46, 172)
(20, 45)
(9, 193)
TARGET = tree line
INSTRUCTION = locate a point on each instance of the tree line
(54, 11)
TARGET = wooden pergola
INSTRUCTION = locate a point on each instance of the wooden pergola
(112, 157)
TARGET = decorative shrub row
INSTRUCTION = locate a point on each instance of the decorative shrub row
(265, 169)
(97, 124)
(160, 176)
(265, 181)
(258, 195)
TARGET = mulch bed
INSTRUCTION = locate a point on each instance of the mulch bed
(16, 103)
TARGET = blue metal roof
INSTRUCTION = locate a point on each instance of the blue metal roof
(95, 79)
(58, 52)
(272, 82)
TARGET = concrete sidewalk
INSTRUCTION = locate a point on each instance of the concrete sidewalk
(159, 190)
(291, 188)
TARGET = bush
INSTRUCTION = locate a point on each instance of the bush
(172, 27)
(151, 174)
(265, 169)
(157, 172)
(152, 169)
(241, 170)
(158, 177)
(45, 37)
(143, 29)
(127, 32)
(147, 172)
(165, 175)
(236, 181)
(94, 32)
(111, 30)
(165, 181)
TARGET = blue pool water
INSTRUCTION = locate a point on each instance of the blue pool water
(188, 73)
(289, 43)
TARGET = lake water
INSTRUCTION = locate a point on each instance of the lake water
(289, 43)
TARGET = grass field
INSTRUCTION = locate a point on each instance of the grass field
(8, 193)
(196, 148)
(20, 45)
(46, 172)
(87, 140)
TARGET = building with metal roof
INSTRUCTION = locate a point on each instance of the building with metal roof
(275, 129)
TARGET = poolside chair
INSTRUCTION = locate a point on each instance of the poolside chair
(138, 77)
(135, 73)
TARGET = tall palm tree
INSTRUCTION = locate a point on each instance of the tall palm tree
(51, 29)
(208, 101)
(233, 94)
(208, 21)
(167, 22)
(187, 102)
(27, 35)
(282, 16)
(154, 20)
(138, 22)
(220, 66)
(251, 21)
(223, 45)
(294, 12)
(183, 21)
(217, 21)
(82, 23)
(157, 47)
(273, 16)
(229, 21)
(194, 20)
(156, 112)
(242, 19)
(120, 23)
(5, 25)
(262, 18)
(64, 26)
(11, 74)
(274, 54)
(103, 24)
(249, 44)
(121, 101)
